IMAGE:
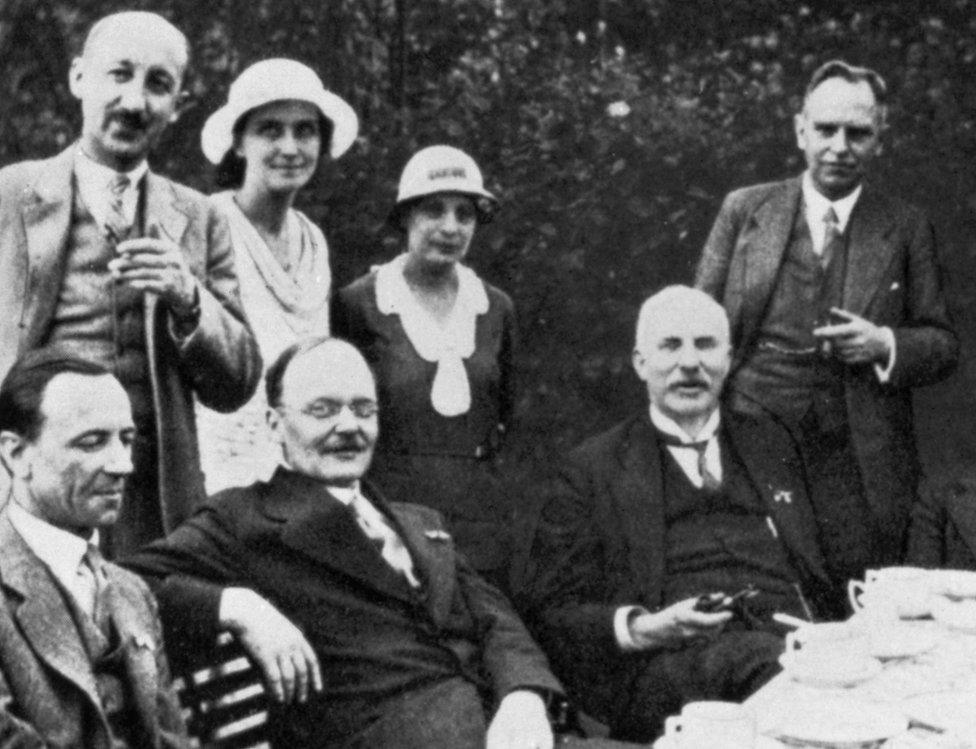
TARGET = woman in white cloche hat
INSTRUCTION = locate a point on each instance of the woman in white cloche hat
(440, 342)
(267, 141)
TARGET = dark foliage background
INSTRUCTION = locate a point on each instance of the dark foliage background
(611, 129)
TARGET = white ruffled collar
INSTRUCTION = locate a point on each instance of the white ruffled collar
(446, 343)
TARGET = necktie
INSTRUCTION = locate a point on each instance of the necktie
(832, 237)
(386, 540)
(710, 481)
(93, 585)
(116, 222)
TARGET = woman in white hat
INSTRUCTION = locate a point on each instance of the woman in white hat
(267, 141)
(440, 342)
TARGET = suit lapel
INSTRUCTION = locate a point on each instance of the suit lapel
(868, 252)
(46, 212)
(42, 613)
(780, 485)
(321, 527)
(772, 223)
(639, 505)
(433, 560)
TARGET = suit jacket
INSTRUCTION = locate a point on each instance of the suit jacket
(47, 689)
(300, 548)
(892, 279)
(600, 545)
(943, 528)
(219, 362)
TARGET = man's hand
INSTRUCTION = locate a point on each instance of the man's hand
(676, 625)
(855, 340)
(157, 265)
(520, 722)
(287, 662)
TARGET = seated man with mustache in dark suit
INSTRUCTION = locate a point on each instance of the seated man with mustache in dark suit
(371, 630)
(652, 524)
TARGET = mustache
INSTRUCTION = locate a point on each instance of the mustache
(131, 120)
(341, 443)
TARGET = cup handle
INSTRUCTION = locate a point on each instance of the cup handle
(672, 725)
(855, 589)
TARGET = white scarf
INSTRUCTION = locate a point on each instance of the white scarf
(447, 343)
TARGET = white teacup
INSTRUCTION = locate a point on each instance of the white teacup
(892, 593)
(829, 639)
(712, 725)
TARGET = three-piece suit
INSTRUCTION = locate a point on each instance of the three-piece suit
(888, 275)
(402, 667)
(604, 541)
(218, 362)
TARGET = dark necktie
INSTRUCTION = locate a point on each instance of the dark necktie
(832, 237)
(710, 481)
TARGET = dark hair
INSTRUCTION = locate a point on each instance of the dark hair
(24, 386)
(229, 173)
(851, 74)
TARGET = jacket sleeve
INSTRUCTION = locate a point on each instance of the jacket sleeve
(188, 571)
(712, 271)
(15, 733)
(220, 357)
(926, 346)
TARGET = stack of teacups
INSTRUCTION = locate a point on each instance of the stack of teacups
(711, 725)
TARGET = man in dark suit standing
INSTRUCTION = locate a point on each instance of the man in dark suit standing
(81, 652)
(653, 523)
(385, 636)
(129, 269)
(834, 299)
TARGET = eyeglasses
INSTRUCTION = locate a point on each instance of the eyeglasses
(329, 409)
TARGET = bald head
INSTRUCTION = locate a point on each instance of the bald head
(674, 304)
(137, 24)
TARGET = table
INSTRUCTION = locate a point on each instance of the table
(950, 665)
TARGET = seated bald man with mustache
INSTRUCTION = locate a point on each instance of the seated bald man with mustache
(651, 527)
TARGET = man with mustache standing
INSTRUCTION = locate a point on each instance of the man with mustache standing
(370, 629)
(832, 289)
(82, 662)
(652, 526)
(128, 269)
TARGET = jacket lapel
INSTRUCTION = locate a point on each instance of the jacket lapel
(46, 212)
(43, 614)
(638, 503)
(321, 527)
(782, 489)
(868, 252)
(433, 559)
(764, 241)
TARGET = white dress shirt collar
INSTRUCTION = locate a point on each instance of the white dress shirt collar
(669, 426)
(93, 183)
(345, 494)
(816, 208)
(60, 550)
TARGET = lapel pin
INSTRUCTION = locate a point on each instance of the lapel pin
(782, 495)
(438, 535)
(895, 286)
(142, 640)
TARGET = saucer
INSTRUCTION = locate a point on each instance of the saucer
(837, 723)
(762, 742)
(958, 615)
(807, 668)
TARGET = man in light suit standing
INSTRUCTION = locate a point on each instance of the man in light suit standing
(128, 269)
(833, 293)
(81, 652)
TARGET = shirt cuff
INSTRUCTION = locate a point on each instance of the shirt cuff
(621, 626)
(884, 373)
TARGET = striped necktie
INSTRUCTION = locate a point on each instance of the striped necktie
(116, 223)
(832, 237)
(384, 537)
